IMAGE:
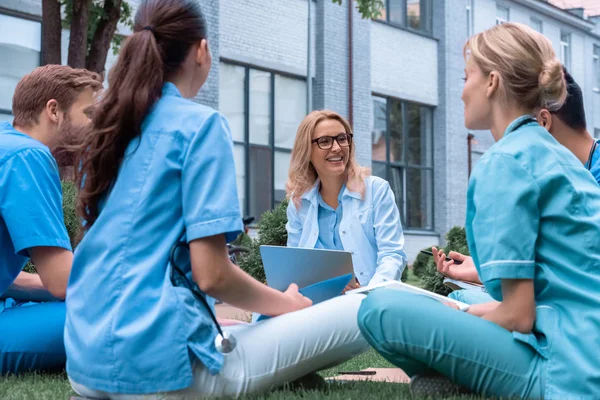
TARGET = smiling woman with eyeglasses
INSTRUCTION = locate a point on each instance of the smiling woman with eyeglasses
(336, 205)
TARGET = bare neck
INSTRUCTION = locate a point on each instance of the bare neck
(37, 132)
(330, 189)
(502, 118)
(579, 142)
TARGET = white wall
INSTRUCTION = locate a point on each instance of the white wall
(403, 64)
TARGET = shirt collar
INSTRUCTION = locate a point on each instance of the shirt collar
(312, 194)
(513, 125)
(169, 89)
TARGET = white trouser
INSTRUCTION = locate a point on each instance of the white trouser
(272, 352)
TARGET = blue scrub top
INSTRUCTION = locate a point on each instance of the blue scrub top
(128, 329)
(31, 211)
(593, 164)
(533, 212)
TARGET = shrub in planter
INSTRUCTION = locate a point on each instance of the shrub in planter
(420, 264)
(434, 281)
(70, 217)
(271, 232)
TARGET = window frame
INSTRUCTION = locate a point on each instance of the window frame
(502, 20)
(540, 22)
(247, 144)
(470, 17)
(405, 25)
(28, 17)
(565, 49)
(404, 166)
(596, 67)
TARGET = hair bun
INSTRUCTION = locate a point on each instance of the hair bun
(552, 85)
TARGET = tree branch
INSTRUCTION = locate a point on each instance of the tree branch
(51, 32)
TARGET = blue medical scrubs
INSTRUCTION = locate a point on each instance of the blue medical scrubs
(128, 329)
(31, 215)
(533, 212)
(593, 164)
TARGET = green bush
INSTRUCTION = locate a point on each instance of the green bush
(420, 264)
(70, 216)
(271, 232)
(433, 281)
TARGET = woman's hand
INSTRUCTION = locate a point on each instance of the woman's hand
(462, 272)
(296, 300)
(351, 286)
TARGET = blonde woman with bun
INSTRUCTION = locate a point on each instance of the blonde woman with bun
(533, 223)
(336, 205)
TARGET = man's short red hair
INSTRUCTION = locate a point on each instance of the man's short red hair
(59, 82)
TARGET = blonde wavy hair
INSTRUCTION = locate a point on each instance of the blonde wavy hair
(530, 73)
(303, 175)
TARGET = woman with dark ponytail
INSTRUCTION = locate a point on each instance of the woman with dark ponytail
(157, 169)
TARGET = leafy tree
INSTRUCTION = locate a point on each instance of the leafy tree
(367, 8)
(93, 24)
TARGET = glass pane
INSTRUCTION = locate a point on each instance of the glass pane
(290, 109)
(261, 179)
(239, 155)
(396, 183)
(382, 13)
(396, 12)
(282, 166)
(396, 131)
(419, 187)
(6, 118)
(379, 147)
(379, 169)
(419, 135)
(260, 106)
(418, 14)
(501, 14)
(20, 44)
(231, 98)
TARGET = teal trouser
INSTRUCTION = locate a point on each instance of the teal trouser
(31, 337)
(425, 337)
(471, 296)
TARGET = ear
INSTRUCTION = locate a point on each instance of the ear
(545, 119)
(493, 84)
(51, 111)
(203, 53)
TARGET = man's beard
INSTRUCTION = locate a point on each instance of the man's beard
(69, 137)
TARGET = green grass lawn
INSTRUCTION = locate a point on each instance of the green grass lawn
(56, 386)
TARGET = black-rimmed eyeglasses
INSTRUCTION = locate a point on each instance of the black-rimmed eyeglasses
(326, 142)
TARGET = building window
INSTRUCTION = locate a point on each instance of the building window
(20, 46)
(597, 133)
(264, 110)
(402, 153)
(502, 14)
(537, 24)
(596, 58)
(565, 49)
(414, 14)
(469, 10)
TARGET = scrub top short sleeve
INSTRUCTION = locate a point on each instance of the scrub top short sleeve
(504, 249)
(210, 201)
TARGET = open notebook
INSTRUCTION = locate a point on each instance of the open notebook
(397, 285)
(458, 285)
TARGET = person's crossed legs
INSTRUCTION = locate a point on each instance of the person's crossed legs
(425, 337)
(32, 337)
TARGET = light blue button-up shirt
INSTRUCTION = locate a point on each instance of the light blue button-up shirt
(329, 223)
(534, 213)
(31, 211)
(370, 229)
(128, 329)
